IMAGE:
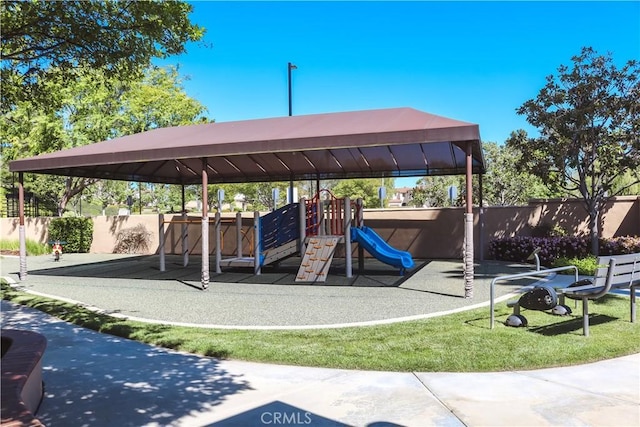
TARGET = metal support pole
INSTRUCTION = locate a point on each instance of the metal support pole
(481, 216)
(347, 238)
(22, 236)
(290, 67)
(183, 201)
(468, 227)
(218, 234)
(205, 227)
(185, 231)
(185, 239)
(291, 192)
(360, 223)
(320, 216)
(302, 216)
(161, 239)
(585, 317)
(632, 296)
(239, 234)
(257, 244)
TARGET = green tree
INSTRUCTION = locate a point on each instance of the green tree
(629, 185)
(41, 40)
(589, 122)
(505, 184)
(174, 196)
(431, 191)
(158, 101)
(257, 195)
(105, 193)
(96, 108)
(366, 189)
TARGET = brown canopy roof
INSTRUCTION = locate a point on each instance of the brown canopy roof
(375, 143)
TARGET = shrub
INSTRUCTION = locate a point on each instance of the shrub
(552, 248)
(620, 245)
(77, 232)
(586, 266)
(132, 240)
(548, 230)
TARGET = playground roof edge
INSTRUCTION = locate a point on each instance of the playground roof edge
(372, 143)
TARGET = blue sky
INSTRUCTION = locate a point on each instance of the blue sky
(471, 61)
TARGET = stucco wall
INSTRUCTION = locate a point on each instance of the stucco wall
(426, 233)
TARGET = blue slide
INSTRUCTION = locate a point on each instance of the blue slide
(376, 246)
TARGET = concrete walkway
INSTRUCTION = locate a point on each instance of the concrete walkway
(98, 380)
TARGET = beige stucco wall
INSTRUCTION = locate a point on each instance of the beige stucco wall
(426, 233)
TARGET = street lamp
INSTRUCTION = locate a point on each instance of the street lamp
(289, 68)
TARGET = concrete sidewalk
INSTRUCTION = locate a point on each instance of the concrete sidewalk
(97, 380)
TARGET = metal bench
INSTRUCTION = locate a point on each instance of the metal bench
(614, 272)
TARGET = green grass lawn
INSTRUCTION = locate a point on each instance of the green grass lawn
(33, 248)
(461, 342)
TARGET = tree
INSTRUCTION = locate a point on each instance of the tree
(96, 108)
(41, 40)
(431, 191)
(364, 188)
(106, 192)
(589, 122)
(55, 54)
(259, 195)
(505, 184)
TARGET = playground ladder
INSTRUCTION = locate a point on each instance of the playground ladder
(317, 259)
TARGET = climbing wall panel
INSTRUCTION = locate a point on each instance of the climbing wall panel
(317, 259)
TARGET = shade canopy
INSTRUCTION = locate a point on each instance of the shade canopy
(360, 144)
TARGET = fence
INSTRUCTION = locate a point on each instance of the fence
(427, 233)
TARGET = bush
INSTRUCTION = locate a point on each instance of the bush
(552, 248)
(548, 230)
(620, 245)
(77, 232)
(586, 266)
(132, 240)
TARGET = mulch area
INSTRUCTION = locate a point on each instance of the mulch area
(9, 252)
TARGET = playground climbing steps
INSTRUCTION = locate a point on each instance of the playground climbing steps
(317, 259)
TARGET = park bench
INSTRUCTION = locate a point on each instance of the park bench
(613, 272)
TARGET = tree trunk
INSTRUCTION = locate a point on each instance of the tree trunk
(62, 203)
(72, 188)
(594, 220)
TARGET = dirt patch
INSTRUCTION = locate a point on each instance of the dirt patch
(9, 252)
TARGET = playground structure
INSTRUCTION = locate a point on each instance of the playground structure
(312, 228)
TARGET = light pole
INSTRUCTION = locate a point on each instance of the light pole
(289, 68)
